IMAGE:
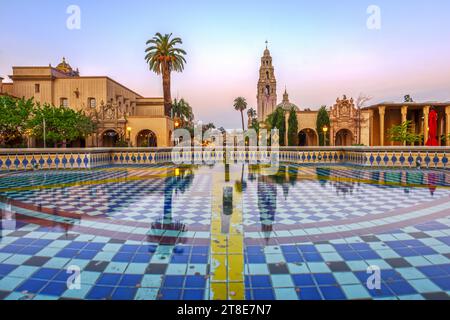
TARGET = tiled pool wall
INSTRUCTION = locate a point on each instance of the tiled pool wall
(407, 157)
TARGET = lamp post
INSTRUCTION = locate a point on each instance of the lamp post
(325, 131)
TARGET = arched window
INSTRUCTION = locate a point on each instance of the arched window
(267, 90)
(267, 74)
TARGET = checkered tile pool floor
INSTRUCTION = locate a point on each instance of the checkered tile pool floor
(215, 233)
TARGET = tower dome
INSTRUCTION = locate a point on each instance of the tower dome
(286, 104)
(64, 67)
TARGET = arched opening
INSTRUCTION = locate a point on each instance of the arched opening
(146, 139)
(109, 138)
(344, 137)
(307, 138)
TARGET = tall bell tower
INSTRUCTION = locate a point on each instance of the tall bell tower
(267, 87)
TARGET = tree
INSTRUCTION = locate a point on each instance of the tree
(14, 120)
(276, 120)
(323, 120)
(163, 56)
(402, 133)
(408, 98)
(293, 128)
(62, 125)
(240, 104)
(182, 110)
(251, 113)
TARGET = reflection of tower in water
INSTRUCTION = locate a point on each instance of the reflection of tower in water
(267, 204)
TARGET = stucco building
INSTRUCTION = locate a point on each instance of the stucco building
(350, 124)
(120, 113)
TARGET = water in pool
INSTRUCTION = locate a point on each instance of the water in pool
(225, 232)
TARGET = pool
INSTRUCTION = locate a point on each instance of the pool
(225, 232)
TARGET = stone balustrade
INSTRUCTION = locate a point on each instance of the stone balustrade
(91, 158)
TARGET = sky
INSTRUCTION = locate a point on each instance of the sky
(321, 49)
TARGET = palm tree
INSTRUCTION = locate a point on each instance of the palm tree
(240, 104)
(182, 110)
(163, 57)
(251, 113)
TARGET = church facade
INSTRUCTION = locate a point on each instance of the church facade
(351, 124)
(120, 113)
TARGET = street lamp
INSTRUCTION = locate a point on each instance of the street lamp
(325, 130)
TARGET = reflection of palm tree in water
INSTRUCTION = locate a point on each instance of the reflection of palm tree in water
(181, 181)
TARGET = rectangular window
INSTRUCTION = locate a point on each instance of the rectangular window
(37, 88)
(92, 103)
(64, 102)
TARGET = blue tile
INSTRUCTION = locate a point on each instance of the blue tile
(432, 271)
(200, 259)
(254, 250)
(307, 248)
(100, 292)
(350, 255)
(293, 257)
(309, 293)
(142, 258)
(383, 292)
(181, 258)
(443, 283)
(312, 257)
(86, 254)
(261, 281)
(129, 248)
(62, 276)
(263, 294)
(54, 289)
(170, 294)
(109, 279)
(401, 288)
(130, 280)
(76, 245)
(303, 280)
(252, 258)
(5, 269)
(45, 274)
(31, 286)
(123, 257)
(173, 281)
(193, 294)
(124, 293)
(67, 253)
(289, 249)
(30, 250)
(332, 293)
(94, 246)
(195, 282)
(204, 250)
(324, 279)
(24, 241)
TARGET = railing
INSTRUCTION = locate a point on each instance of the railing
(89, 158)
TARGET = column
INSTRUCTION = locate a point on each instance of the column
(382, 112)
(447, 125)
(286, 136)
(404, 117)
(426, 113)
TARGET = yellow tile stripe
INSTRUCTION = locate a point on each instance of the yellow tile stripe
(227, 246)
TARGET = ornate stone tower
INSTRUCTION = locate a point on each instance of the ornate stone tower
(267, 87)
